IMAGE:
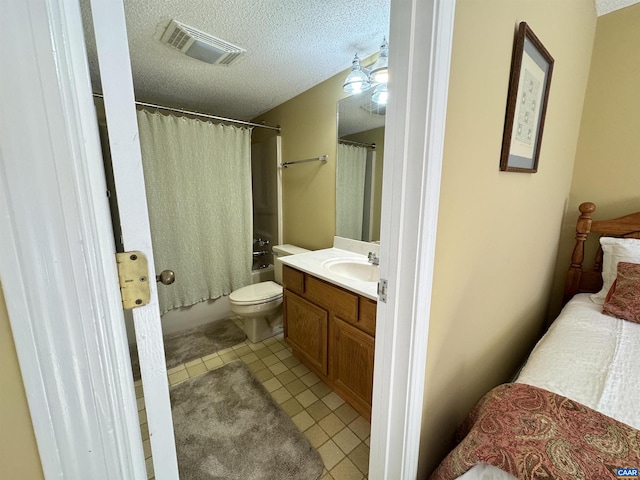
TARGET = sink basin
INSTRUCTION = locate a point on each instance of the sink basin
(353, 269)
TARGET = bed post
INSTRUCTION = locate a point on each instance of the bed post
(583, 227)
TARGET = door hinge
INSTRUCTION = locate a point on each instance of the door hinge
(382, 290)
(133, 275)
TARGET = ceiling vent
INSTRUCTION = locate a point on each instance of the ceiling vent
(200, 45)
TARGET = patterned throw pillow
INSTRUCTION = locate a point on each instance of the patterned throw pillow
(623, 299)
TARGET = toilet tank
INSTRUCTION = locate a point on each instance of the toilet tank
(283, 251)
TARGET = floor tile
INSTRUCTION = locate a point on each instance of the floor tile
(346, 413)
(256, 366)
(331, 454)
(331, 424)
(278, 368)
(197, 369)
(142, 417)
(270, 360)
(229, 356)
(321, 389)
(178, 377)
(176, 369)
(316, 436)
(291, 362)
(333, 400)
(300, 370)
(281, 395)
(318, 410)
(309, 379)
(292, 407)
(149, 465)
(287, 377)
(146, 448)
(346, 470)
(346, 440)
(264, 375)
(248, 357)
(361, 428)
(306, 398)
(360, 457)
(213, 363)
(284, 353)
(193, 363)
(274, 384)
(263, 352)
(303, 420)
(296, 387)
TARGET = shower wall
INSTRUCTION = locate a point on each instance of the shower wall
(265, 184)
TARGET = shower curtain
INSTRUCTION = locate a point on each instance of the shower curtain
(350, 176)
(198, 181)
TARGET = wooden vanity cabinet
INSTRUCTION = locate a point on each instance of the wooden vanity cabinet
(331, 330)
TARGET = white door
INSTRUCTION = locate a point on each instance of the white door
(117, 86)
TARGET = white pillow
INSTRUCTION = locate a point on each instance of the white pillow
(615, 250)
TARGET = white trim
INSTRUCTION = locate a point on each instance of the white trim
(112, 48)
(420, 53)
(279, 169)
(57, 266)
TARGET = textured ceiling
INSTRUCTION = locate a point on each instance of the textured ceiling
(606, 6)
(291, 46)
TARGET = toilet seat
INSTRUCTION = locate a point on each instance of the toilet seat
(256, 293)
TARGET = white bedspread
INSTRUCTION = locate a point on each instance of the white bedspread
(589, 357)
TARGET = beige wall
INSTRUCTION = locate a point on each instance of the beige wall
(607, 166)
(18, 451)
(498, 231)
(308, 124)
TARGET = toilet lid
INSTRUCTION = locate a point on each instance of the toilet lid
(256, 293)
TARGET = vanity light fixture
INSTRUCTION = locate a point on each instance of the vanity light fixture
(380, 69)
(361, 79)
(380, 94)
(358, 80)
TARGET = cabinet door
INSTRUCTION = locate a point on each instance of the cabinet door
(305, 329)
(352, 361)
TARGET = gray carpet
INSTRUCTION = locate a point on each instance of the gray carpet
(227, 426)
(197, 342)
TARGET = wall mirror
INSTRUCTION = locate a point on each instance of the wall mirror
(359, 165)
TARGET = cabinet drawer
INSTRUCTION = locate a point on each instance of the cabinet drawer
(293, 279)
(340, 301)
(367, 316)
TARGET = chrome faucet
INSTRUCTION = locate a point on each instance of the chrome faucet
(373, 258)
(261, 243)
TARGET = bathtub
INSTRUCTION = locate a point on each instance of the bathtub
(184, 318)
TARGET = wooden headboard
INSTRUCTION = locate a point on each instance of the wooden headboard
(578, 279)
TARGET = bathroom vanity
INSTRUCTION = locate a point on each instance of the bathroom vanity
(331, 329)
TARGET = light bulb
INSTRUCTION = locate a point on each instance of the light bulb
(357, 81)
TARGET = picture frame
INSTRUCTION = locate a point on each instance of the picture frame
(529, 84)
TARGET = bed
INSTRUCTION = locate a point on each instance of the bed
(573, 412)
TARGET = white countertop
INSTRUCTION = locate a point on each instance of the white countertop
(312, 263)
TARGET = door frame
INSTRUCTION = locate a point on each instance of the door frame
(60, 281)
(420, 46)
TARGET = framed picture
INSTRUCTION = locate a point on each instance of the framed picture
(531, 68)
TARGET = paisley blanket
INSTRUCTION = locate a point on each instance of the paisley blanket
(535, 434)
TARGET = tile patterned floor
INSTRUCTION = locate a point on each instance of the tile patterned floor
(336, 430)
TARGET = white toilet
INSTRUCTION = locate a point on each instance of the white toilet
(260, 304)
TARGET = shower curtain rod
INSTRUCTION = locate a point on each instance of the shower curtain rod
(372, 146)
(201, 115)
